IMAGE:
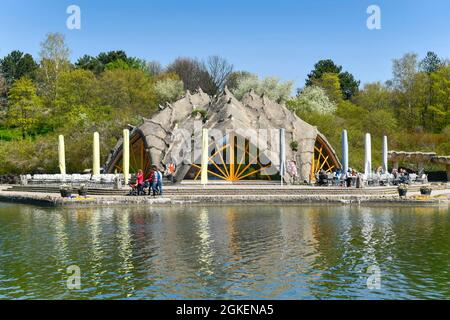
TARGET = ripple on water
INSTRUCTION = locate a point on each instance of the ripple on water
(263, 252)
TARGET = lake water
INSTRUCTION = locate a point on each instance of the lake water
(225, 252)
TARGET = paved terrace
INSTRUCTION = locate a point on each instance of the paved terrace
(228, 193)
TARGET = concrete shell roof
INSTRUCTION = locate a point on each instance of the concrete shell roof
(224, 112)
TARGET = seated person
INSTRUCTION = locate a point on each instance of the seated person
(323, 177)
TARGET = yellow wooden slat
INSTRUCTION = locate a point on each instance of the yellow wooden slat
(248, 165)
(253, 172)
(324, 162)
(221, 159)
(211, 172)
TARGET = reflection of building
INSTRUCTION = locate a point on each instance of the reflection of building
(242, 145)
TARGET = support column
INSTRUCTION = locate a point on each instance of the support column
(395, 166)
(421, 167)
(385, 155)
(205, 158)
(126, 155)
(62, 156)
(368, 156)
(282, 154)
(96, 155)
(344, 151)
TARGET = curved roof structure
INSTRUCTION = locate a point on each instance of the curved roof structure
(177, 127)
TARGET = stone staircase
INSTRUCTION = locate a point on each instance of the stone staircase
(232, 190)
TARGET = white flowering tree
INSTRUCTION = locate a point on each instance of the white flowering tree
(169, 90)
(312, 99)
(272, 87)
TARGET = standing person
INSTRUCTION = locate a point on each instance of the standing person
(171, 171)
(149, 181)
(292, 170)
(140, 181)
(157, 181)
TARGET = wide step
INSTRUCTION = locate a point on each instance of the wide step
(199, 191)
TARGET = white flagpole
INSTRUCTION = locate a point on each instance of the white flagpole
(344, 151)
(126, 155)
(368, 156)
(205, 159)
(385, 154)
(62, 157)
(282, 154)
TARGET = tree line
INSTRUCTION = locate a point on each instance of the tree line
(41, 98)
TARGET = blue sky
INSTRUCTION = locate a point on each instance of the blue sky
(283, 38)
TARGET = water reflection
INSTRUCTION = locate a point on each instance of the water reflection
(291, 252)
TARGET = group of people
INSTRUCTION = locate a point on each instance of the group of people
(340, 178)
(400, 175)
(352, 178)
(153, 183)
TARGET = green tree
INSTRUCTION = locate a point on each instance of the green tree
(110, 61)
(379, 123)
(431, 63)
(17, 65)
(24, 106)
(374, 96)
(349, 86)
(321, 67)
(404, 72)
(111, 56)
(90, 63)
(330, 83)
(3, 90)
(3, 101)
(439, 112)
(77, 98)
(130, 92)
(118, 65)
(54, 60)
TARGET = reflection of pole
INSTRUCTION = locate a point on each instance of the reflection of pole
(205, 160)
(96, 155)
(368, 156)
(385, 154)
(282, 154)
(344, 151)
(62, 156)
(126, 155)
